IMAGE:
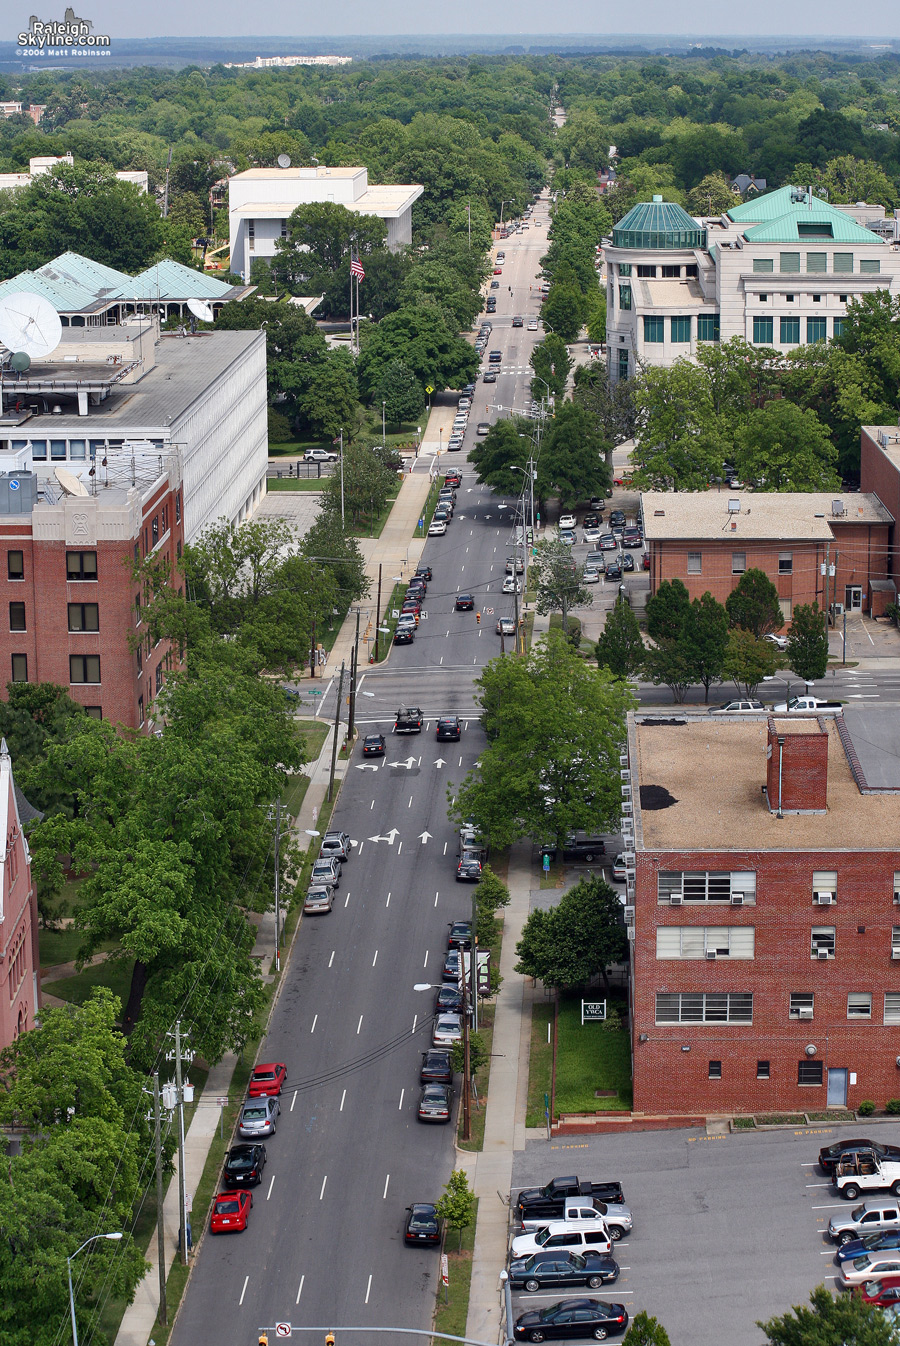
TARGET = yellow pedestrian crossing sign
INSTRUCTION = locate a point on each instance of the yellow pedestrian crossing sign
(429, 390)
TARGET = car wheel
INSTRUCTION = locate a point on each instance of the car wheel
(600, 1333)
(589, 857)
(896, 1189)
(850, 1192)
(595, 1282)
(615, 1234)
(535, 1336)
(846, 1237)
(532, 1285)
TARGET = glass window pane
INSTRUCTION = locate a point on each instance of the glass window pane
(789, 261)
(816, 329)
(763, 265)
(57, 448)
(77, 448)
(843, 262)
(817, 261)
(763, 333)
(790, 331)
(869, 266)
(39, 449)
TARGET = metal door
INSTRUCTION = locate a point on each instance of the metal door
(837, 1088)
(853, 597)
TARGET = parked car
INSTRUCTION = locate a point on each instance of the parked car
(570, 1237)
(435, 1103)
(590, 575)
(867, 1267)
(319, 456)
(618, 870)
(460, 936)
(267, 1079)
(436, 1068)
(230, 1213)
(495, 357)
(884, 1292)
(244, 1166)
(780, 642)
(326, 871)
(566, 537)
(558, 1269)
(736, 707)
(405, 635)
(425, 571)
(590, 535)
(468, 868)
(319, 900)
(447, 1030)
(608, 542)
(506, 626)
(489, 376)
(572, 1318)
(887, 1240)
(373, 745)
(422, 1226)
(336, 843)
(632, 537)
(451, 970)
(627, 563)
(437, 528)
(258, 1118)
(613, 570)
(566, 521)
(830, 1155)
(511, 585)
(514, 564)
(877, 1213)
(449, 999)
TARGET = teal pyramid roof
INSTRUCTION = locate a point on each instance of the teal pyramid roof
(658, 224)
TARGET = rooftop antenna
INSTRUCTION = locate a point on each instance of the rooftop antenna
(284, 161)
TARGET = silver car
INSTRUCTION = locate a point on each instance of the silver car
(447, 1030)
(335, 844)
(258, 1118)
(319, 899)
(326, 870)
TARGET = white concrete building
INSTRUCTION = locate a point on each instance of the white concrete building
(261, 199)
(778, 270)
(45, 163)
(267, 62)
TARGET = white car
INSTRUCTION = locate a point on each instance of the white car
(511, 585)
(590, 575)
(869, 1266)
(437, 528)
(566, 521)
(319, 456)
(406, 619)
(590, 535)
(568, 1237)
(532, 324)
(779, 641)
(447, 1030)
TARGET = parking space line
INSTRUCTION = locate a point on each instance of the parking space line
(832, 1205)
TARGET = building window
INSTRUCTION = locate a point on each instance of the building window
(843, 262)
(895, 941)
(785, 605)
(738, 562)
(654, 329)
(140, 710)
(736, 887)
(823, 942)
(139, 655)
(789, 299)
(84, 668)
(39, 449)
(809, 1072)
(284, 228)
(178, 507)
(81, 565)
(671, 273)
(704, 1007)
(715, 1070)
(763, 298)
(691, 272)
(707, 327)
(20, 668)
(705, 941)
(762, 1070)
(817, 262)
(859, 1005)
(824, 885)
(790, 331)
(17, 617)
(892, 1007)
(646, 272)
(785, 563)
(624, 268)
(817, 299)
(788, 261)
(78, 449)
(869, 266)
(251, 234)
(763, 331)
(623, 367)
(94, 712)
(838, 326)
(763, 265)
(15, 565)
(842, 298)
(154, 529)
(800, 1005)
(625, 296)
(816, 329)
(159, 676)
(695, 563)
(138, 617)
(84, 617)
(680, 329)
(58, 449)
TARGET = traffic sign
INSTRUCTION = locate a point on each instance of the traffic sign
(546, 863)
(445, 1270)
(489, 611)
(429, 389)
(282, 1329)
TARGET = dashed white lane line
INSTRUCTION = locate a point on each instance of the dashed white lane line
(314, 1022)
(271, 1185)
(386, 1181)
(343, 1096)
(368, 1289)
(244, 1291)
(300, 1289)
(331, 959)
(400, 1104)
(322, 1192)
(375, 958)
(359, 1025)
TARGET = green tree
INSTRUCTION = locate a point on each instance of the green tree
(620, 648)
(503, 449)
(295, 349)
(573, 460)
(560, 586)
(681, 445)
(644, 1330)
(332, 547)
(713, 195)
(478, 1055)
(748, 660)
(576, 940)
(667, 610)
(565, 310)
(423, 340)
(491, 894)
(610, 404)
(457, 1204)
(667, 664)
(367, 484)
(551, 362)
(807, 643)
(787, 448)
(704, 639)
(555, 729)
(319, 237)
(832, 1320)
(328, 405)
(753, 604)
(401, 391)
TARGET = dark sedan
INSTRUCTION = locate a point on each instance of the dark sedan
(841, 1149)
(449, 1000)
(468, 869)
(436, 1068)
(886, 1241)
(449, 729)
(373, 745)
(451, 968)
(422, 1226)
(405, 635)
(424, 571)
(613, 571)
(435, 1103)
(572, 1318)
(244, 1165)
(464, 603)
(460, 936)
(627, 562)
(608, 542)
(559, 1268)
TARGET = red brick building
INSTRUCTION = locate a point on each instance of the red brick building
(880, 474)
(19, 962)
(708, 539)
(764, 910)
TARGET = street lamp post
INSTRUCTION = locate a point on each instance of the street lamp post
(93, 1239)
(383, 404)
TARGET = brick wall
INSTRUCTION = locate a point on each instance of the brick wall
(796, 769)
(668, 1079)
(879, 473)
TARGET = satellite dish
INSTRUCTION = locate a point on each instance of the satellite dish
(20, 362)
(284, 161)
(201, 310)
(69, 482)
(29, 324)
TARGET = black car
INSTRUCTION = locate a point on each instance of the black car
(518, 322)
(617, 518)
(614, 571)
(408, 720)
(449, 729)
(373, 745)
(591, 520)
(572, 1318)
(425, 572)
(435, 1103)
(627, 562)
(436, 1067)
(464, 602)
(449, 1000)
(244, 1166)
(460, 936)
(468, 868)
(404, 635)
(841, 1149)
(495, 357)
(451, 969)
(559, 1268)
(422, 1226)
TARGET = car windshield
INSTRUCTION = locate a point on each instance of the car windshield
(227, 1207)
(541, 1237)
(241, 1161)
(423, 1221)
(860, 1263)
(433, 1094)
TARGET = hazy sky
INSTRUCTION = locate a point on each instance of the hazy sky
(136, 18)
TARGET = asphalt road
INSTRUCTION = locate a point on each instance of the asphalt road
(324, 1244)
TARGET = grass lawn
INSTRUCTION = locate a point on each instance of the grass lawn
(117, 976)
(588, 1058)
(294, 483)
(451, 1317)
(314, 732)
(540, 1062)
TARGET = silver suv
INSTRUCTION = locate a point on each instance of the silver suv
(872, 1217)
(335, 844)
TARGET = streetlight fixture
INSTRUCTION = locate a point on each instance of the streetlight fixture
(114, 1237)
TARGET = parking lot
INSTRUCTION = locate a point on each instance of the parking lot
(727, 1229)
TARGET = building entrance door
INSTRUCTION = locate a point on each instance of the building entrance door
(837, 1088)
(853, 597)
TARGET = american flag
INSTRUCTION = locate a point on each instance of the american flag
(356, 268)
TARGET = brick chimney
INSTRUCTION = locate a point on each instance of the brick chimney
(796, 767)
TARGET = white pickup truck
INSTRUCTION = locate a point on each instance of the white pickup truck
(865, 1172)
(614, 1217)
(808, 705)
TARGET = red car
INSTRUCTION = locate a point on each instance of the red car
(646, 561)
(498, 270)
(231, 1212)
(885, 1291)
(267, 1080)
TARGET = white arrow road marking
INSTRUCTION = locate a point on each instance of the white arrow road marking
(407, 762)
(440, 762)
(424, 837)
(366, 766)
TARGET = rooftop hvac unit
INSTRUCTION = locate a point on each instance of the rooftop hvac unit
(824, 899)
(676, 900)
(737, 899)
(823, 953)
(805, 1013)
(837, 508)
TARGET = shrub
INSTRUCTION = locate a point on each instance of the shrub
(893, 1106)
(866, 1108)
(279, 428)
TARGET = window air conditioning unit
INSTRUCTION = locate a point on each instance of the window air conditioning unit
(710, 953)
(627, 806)
(895, 953)
(737, 899)
(822, 953)
(897, 896)
(623, 759)
(629, 913)
(629, 931)
(626, 792)
(805, 1013)
(625, 773)
(824, 899)
(676, 900)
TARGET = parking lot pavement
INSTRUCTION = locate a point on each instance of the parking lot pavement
(728, 1229)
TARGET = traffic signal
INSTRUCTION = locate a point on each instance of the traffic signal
(263, 1339)
(478, 618)
(329, 1339)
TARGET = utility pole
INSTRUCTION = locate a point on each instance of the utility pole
(467, 1118)
(354, 674)
(160, 1223)
(378, 612)
(337, 726)
(278, 886)
(312, 650)
(182, 1214)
